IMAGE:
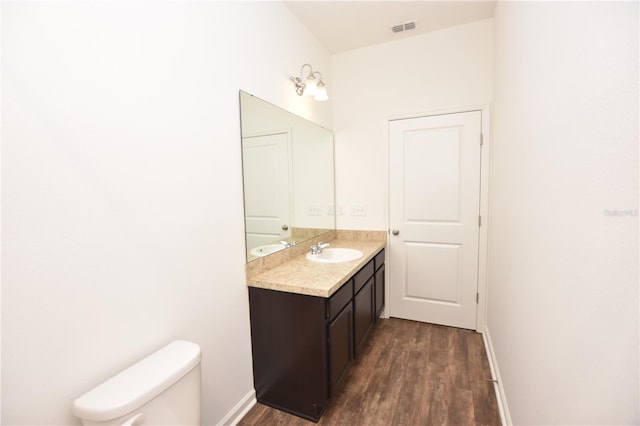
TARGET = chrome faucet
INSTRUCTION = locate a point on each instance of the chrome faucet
(288, 244)
(317, 248)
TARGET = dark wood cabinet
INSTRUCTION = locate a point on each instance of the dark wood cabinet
(379, 283)
(289, 351)
(363, 314)
(340, 347)
(303, 345)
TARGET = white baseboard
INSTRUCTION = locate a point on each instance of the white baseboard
(239, 410)
(505, 415)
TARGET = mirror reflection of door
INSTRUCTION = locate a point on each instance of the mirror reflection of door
(267, 188)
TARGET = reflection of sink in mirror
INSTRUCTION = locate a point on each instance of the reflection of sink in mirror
(266, 249)
(335, 255)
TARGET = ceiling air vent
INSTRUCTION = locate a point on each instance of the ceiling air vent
(411, 25)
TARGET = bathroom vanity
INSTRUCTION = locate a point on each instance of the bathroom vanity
(309, 321)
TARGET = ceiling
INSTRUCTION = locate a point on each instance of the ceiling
(346, 25)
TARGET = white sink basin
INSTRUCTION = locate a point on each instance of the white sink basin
(335, 255)
(266, 249)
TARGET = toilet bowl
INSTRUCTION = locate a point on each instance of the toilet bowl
(161, 389)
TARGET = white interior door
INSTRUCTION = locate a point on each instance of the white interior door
(434, 217)
(267, 188)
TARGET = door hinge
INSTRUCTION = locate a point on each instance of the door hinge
(477, 298)
(479, 220)
(481, 139)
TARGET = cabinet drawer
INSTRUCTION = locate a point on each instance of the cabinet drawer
(379, 259)
(339, 299)
(361, 278)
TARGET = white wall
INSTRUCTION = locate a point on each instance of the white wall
(438, 70)
(563, 271)
(122, 194)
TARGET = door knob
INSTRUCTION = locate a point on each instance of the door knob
(395, 232)
(285, 227)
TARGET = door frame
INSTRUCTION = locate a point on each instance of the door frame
(485, 125)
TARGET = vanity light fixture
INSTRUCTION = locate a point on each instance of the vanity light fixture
(310, 86)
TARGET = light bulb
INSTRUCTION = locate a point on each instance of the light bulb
(321, 92)
(311, 86)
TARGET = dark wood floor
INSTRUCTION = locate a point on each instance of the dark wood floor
(410, 373)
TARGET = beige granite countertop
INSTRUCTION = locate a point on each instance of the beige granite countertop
(302, 276)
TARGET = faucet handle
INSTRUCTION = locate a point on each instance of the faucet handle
(317, 248)
(321, 246)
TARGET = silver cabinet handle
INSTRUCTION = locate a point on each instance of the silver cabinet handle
(395, 232)
(285, 227)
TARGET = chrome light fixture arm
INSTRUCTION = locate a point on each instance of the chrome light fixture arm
(300, 81)
(309, 85)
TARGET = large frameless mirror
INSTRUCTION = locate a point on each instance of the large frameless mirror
(288, 175)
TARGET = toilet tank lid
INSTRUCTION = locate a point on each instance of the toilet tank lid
(138, 384)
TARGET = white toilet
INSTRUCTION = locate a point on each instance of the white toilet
(162, 389)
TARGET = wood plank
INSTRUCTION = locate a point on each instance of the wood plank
(408, 373)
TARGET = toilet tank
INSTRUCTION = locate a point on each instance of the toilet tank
(162, 389)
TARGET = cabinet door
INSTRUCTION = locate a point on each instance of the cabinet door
(379, 291)
(363, 314)
(340, 347)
